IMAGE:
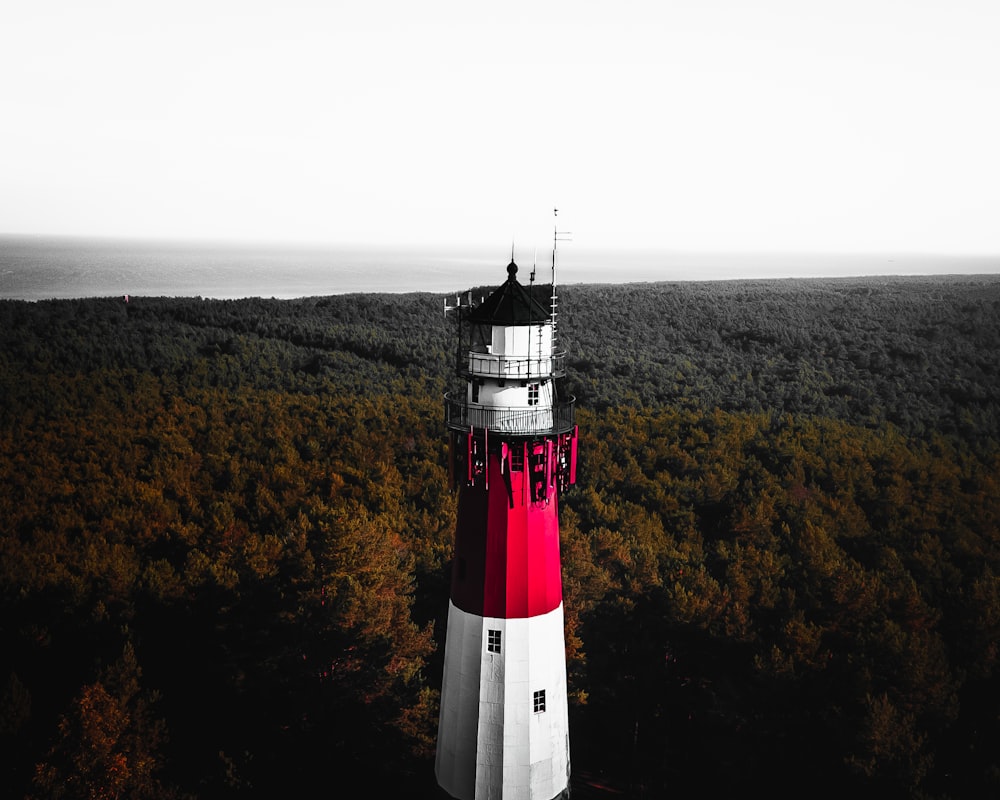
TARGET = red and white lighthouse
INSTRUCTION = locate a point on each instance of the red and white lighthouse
(503, 730)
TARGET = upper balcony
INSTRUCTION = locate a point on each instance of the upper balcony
(489, 365)
(461, 415)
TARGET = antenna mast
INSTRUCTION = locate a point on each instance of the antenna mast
(556, 233)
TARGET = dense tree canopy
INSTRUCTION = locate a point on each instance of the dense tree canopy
(225, 532)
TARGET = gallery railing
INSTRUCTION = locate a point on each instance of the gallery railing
(461, 415)
(490, 365)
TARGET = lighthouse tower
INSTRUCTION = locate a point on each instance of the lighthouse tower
(503, 730)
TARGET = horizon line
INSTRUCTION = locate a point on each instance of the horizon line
(599, 247)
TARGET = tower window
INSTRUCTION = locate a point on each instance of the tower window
(539, 701)
(493, 641)
(475, 391)
(532, 394)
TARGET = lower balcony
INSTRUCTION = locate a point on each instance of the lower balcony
(460, 415)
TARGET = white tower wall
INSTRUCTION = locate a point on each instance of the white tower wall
(517, 753)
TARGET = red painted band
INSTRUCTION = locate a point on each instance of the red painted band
(506, 549)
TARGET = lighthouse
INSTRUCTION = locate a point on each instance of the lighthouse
(503, 730)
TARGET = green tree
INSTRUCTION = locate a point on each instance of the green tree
(109, 742)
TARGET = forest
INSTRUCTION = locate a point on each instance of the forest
(226, 530)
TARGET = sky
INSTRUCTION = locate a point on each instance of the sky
(684, 125)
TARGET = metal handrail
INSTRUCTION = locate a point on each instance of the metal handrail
(559, 417)
(493, 365)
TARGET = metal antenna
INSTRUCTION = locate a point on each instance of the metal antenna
(557, 236)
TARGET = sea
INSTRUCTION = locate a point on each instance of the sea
(57, 267)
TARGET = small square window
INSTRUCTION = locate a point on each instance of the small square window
(493, 641)
(532, 394)
(539, 701)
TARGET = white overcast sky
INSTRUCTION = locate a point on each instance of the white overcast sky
(734, 125)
